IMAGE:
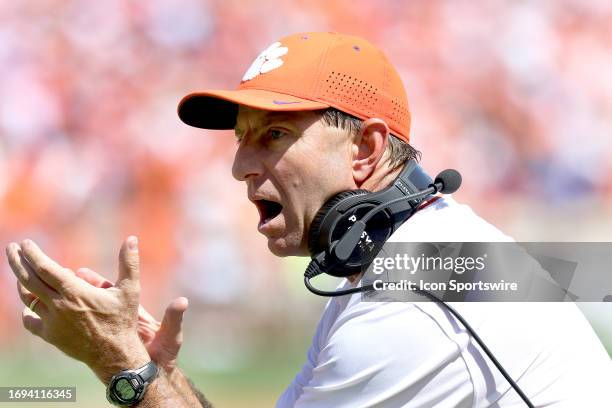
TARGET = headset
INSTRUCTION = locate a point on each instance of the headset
(342, 212)
(351, 227)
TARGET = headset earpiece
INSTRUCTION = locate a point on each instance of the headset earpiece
(317, 242)
(340, 212)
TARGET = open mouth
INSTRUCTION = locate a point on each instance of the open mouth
(268, 210)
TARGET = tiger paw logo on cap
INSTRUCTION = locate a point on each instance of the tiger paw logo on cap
(268, 60)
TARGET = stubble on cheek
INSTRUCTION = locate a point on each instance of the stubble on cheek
(288, 245)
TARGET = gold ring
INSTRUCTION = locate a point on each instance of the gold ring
(33, 304)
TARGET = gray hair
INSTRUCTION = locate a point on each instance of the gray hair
(399, 151)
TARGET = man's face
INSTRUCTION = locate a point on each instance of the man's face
(292, 163)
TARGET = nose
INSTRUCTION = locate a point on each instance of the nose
(247, 163)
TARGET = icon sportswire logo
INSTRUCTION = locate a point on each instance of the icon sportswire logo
(269, 59)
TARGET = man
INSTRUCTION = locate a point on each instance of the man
(317, 114)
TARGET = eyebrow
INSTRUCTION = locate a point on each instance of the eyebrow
(276, 117)
(268, 119)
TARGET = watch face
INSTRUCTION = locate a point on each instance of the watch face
(124, 389)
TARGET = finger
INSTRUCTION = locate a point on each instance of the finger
(145, 316)
(32, 322)
(148, 328)
(129, 265)
(93, 278)
(26, 275)
(25, 295)
(170, 332)
(147, 325)
(28, 297)
(56, 276)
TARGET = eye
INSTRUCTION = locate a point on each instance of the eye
(276, 133)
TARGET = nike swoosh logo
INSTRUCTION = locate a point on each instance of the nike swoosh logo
(284, 102)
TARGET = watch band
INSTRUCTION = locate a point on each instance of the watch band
(147, 372)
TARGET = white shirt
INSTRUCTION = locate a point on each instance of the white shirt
(367, 354)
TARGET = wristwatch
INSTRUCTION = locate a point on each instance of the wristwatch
(128, 386)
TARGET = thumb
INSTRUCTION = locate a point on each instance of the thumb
(170, 333)
(129, 265)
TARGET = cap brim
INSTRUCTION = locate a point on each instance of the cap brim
(216, 109)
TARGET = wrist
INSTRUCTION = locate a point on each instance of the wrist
(117, 356)
(174, 375)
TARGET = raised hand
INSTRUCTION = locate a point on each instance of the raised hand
(162, 339)
(95, 325)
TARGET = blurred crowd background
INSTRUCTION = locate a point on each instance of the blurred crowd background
(516, 95)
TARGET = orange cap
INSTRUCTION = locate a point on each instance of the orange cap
(309, 71)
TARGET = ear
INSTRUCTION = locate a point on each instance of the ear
(368, 148)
